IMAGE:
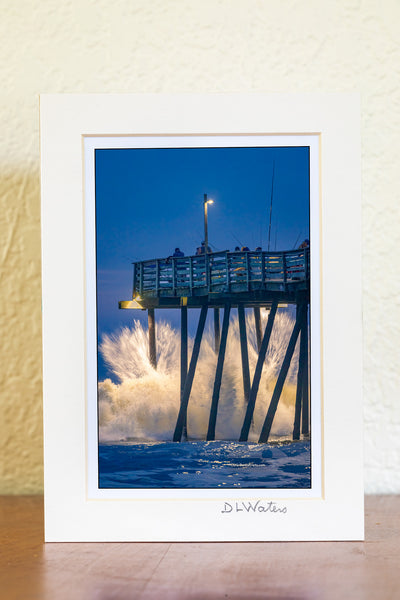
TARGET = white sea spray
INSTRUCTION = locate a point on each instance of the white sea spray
(145, 403)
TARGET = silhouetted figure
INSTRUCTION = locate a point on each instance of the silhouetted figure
(202, 249)
(178, 253)
(305, 244)
(245, 249)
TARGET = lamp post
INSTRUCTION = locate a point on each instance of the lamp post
(206, 202)
(217, 335)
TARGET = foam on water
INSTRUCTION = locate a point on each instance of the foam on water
(145, 404)
(204, 465)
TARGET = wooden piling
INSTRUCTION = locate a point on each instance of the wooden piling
(190, 375)
(184, 358)
(217, 332)
(305, 396)
(244, 352)
(282, 377)
(218, 375)
(299, 387)
(244, 434)
(152, 338)
(257, 319)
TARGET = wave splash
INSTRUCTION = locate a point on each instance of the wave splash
(145, 404)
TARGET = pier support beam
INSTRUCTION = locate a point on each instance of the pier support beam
(217, 333)
(257, 320)
(305, 395)
(282, 376)
(152, 338)
(244, 352)
(189, 378)
(184, 358)
(244, 434)
(300, 379)
(218, 375)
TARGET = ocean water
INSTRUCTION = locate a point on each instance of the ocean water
(137, 415)
(219, 464)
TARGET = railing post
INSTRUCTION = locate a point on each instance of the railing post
(306, 262)
(284, 271)
(141, 279)
(228, 282)
(157, 276)
(191, 275)
(134, 281)
(263, 277)
(173, 276)
(208, 278)
(247, 271)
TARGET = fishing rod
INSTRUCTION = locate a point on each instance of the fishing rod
(297, 241)
(238, 241)
(270, 208)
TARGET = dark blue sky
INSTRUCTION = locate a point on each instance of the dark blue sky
(148, 201)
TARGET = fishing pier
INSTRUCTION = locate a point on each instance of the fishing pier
(231, 280)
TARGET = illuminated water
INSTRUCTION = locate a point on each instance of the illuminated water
(205, 465)
(137, 416)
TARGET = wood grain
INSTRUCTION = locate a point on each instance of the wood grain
(31, 570)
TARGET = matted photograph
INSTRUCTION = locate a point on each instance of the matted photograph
(203, 315)
(201, 375)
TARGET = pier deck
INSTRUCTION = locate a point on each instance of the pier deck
(253, 278)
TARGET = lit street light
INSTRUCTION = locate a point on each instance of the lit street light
(206, 202)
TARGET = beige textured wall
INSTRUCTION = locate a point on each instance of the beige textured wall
(196, 46)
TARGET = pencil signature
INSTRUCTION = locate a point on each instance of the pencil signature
(258, 506)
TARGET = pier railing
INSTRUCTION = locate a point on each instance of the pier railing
(221, 272)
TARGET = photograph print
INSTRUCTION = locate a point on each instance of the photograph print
(203, 317)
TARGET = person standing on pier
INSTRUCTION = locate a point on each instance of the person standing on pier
(202, 249)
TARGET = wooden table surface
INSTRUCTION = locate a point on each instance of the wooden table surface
(29, 569)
